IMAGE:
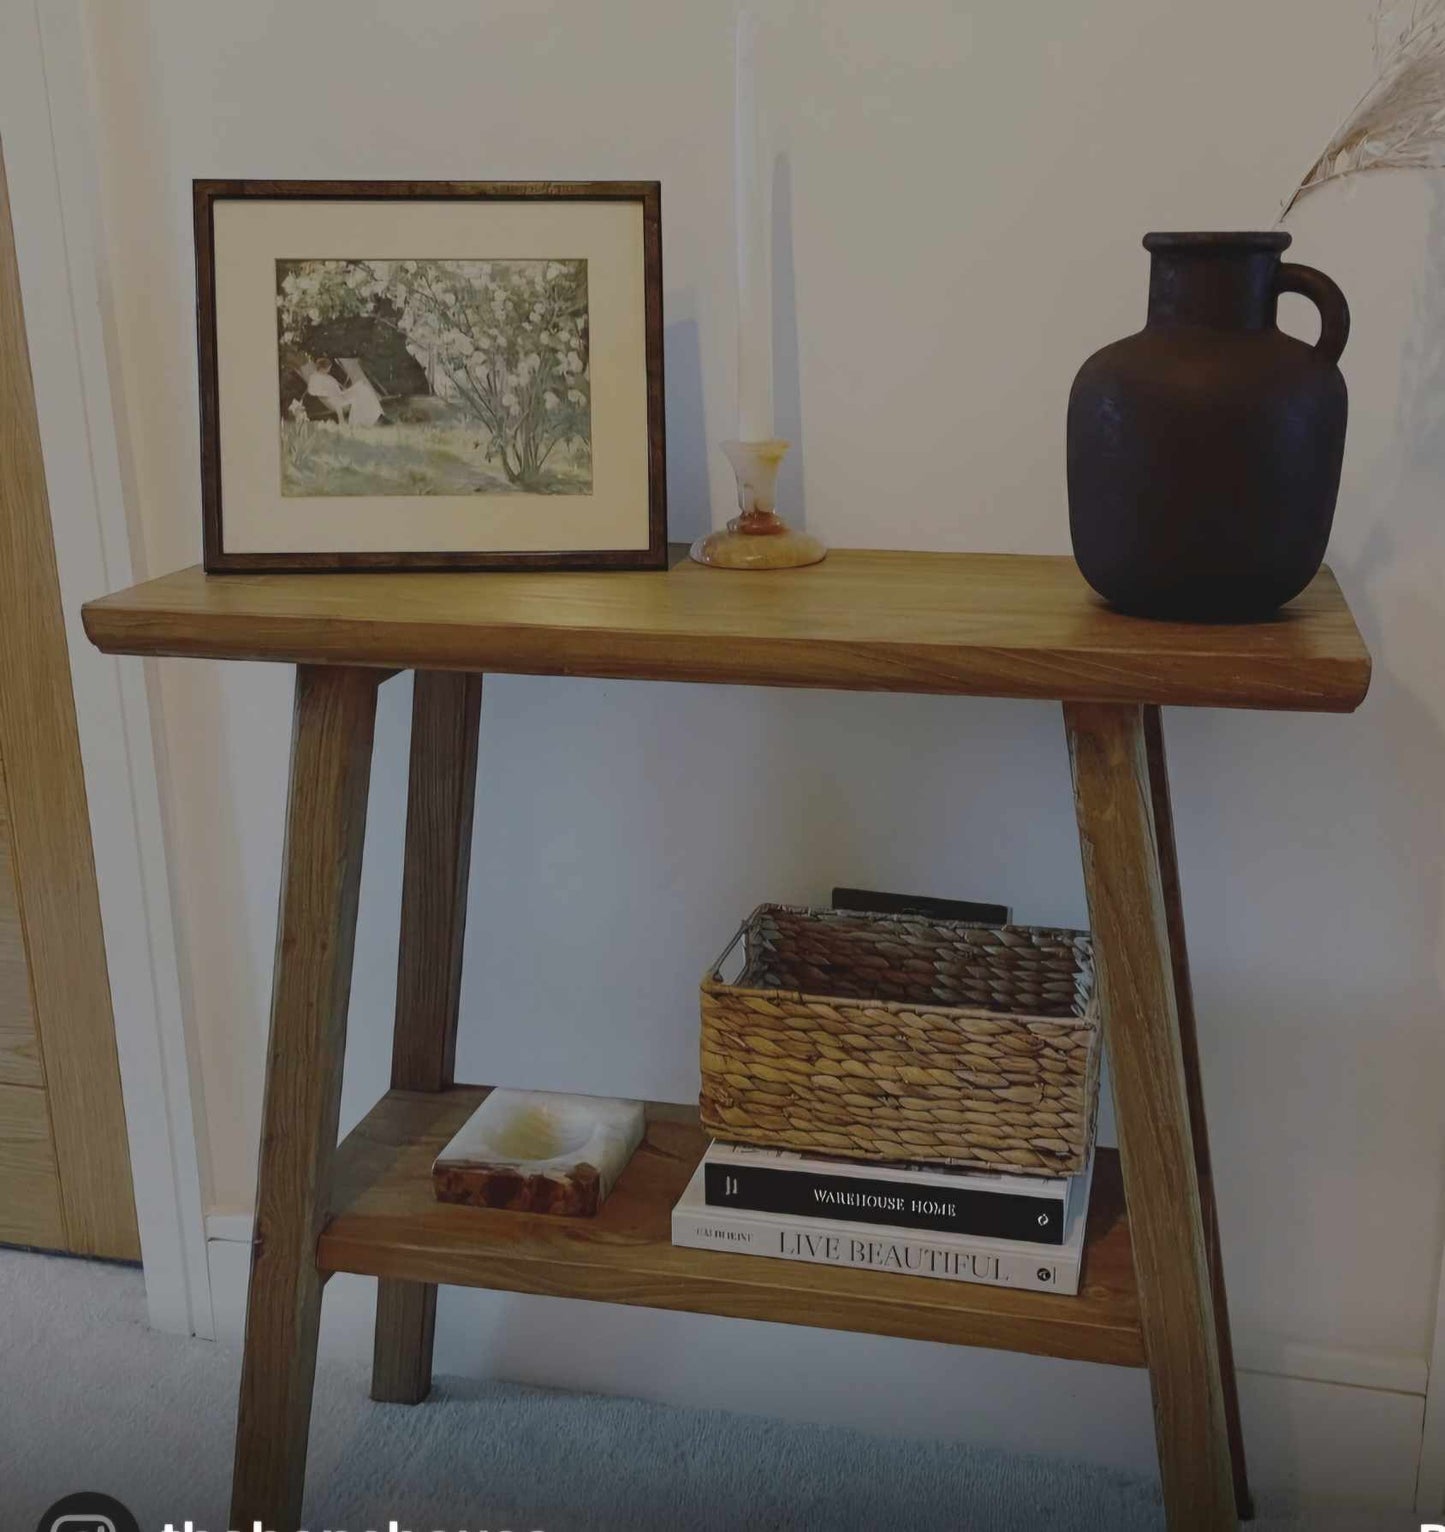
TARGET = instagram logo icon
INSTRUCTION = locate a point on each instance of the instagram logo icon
(88, 1512)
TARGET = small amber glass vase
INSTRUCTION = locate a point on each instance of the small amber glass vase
(757, 538)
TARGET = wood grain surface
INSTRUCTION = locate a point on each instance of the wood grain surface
(30, 1209)
(19, 1041)
(1136, 990)
(388, 1223)
(321, 879)
(401, 1351)
(1163, 808)
(52, 862)
(441, 791)
(1006, 625)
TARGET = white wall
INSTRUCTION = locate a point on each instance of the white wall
(961, 195)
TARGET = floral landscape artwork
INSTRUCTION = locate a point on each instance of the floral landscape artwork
(434, 377)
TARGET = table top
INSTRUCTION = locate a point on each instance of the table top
(980, 624)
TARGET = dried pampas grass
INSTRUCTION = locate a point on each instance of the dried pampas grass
(1399, 123)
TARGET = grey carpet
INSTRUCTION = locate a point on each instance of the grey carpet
(92, 1399)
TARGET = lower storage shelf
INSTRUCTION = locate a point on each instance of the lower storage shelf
(387, 1223)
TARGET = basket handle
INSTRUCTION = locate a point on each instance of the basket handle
(714, 974)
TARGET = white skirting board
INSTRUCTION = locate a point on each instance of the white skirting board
(1430, 1491)
(1341, 1439)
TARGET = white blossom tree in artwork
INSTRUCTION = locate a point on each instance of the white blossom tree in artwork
(434, 377)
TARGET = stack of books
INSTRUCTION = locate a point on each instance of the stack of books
(963, 1225)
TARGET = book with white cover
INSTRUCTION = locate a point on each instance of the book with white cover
(930, 1198)
(1003, 1263)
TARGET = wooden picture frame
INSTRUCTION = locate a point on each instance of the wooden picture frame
(470, 377)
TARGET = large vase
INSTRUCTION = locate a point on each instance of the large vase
(1204, 451)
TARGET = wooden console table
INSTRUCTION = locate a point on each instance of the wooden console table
(961, 624)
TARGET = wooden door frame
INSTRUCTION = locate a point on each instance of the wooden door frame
(46, 124)
(49, 823)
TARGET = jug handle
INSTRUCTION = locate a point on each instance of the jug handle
(1327, 298)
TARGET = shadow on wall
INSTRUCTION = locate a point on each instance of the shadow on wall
(1312, 851)
(1413, 819)
(687, 484)
(787, 363)
(688, 447)
(1399, 601)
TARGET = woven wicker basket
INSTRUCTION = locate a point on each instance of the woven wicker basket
(900, 1038)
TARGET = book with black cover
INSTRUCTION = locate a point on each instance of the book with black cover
(870, 901)
(980, 1211)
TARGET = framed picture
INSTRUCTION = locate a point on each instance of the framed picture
(430, 375)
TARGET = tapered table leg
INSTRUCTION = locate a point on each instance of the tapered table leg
(1118, 837)
(321, 878)
(1194, 1086)
(446, 710)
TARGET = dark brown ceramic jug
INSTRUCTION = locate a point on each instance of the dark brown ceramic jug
(1204, 452)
